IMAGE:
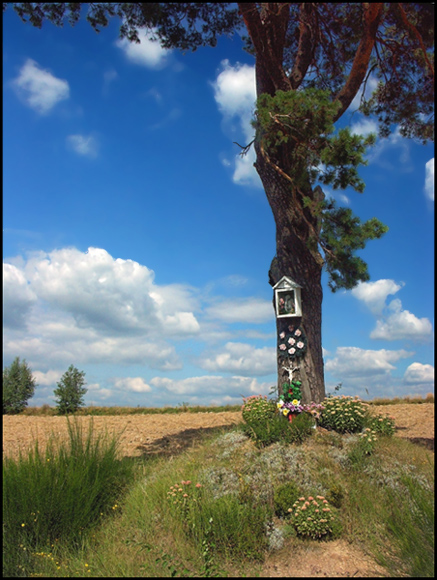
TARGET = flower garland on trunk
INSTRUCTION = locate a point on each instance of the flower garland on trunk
(292, 344)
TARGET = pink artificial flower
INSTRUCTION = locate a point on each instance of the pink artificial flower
(282, 347)
(282, 335)
(300, 344)
(298, 332)
(291, 341)
(291, 350)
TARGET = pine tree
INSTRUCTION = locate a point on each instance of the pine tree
(70, 391)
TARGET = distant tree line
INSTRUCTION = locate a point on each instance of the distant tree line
(19, 386)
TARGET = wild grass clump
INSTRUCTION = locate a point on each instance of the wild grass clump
(55, 497)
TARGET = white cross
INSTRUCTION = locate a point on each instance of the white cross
(290, 370)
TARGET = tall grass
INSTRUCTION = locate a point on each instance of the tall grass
(238, 513)
(55, 497)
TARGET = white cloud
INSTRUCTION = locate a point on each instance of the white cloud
(364, 127)
(135, 384)
(242, 359)
(374, 294)
(208, 389)
(249, 310)
(350, 361)
(429, 179)
(418, 373)
(38, 88)
(18, 297)
(88, 307)
(401, 324)
(83, 145)
(48, 378)
(147, 53)
(235, 95)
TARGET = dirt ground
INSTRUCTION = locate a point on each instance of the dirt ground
(168, 434)
(171, 433)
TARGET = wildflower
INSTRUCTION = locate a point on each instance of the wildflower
(198, 485)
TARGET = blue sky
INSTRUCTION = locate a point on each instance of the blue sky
(137, 243)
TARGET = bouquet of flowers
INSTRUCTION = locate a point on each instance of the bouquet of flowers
(289, 401)
(292, 344)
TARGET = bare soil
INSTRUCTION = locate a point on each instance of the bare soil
(169, 434)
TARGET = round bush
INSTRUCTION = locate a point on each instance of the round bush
(257, 408)
(312, 517)
(343, 414)
(284, 496)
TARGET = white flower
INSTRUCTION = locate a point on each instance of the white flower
(291, 341)
(300, 344)
(297, 333)
(291, 350)
(282, 347)
(282, 335)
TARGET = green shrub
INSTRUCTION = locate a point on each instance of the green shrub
(382, 425)
(257, 408)
(335, 494)
(18, 386)
(313, 517)
(343, 414)
(284, 497)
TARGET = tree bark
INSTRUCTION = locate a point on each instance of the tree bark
(295, 258)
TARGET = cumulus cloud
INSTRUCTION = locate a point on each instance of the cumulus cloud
(429, 179)
(374, 294)
(208, 389)
(18, 297)
(418, 373)
(90, 307)
(401, 324)
(48, 378)
(351, 361)
(83, 145)
(242, 310)
(38, 88)
(242, 359)
(235, 94)
(147, 53)
(134, 384)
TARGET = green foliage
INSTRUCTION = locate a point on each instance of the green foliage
(312, 517)
(257, 408)
(18, 386)
(382, 425)
(70, 391)
(343, 414)
(266, 431)
(284, 496)
(69, 488)
(341, 236)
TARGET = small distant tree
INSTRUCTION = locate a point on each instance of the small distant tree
(18, 386)
(70, 391)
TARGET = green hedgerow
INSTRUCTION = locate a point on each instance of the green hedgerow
(312, 517)
(343, 414)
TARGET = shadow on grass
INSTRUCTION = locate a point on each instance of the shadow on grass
(178, 442)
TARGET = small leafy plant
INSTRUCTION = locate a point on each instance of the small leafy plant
(312, 517)
(343, 414)
(257, 408)
(382, 425)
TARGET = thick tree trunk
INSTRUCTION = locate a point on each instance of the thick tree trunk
(296, 258)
